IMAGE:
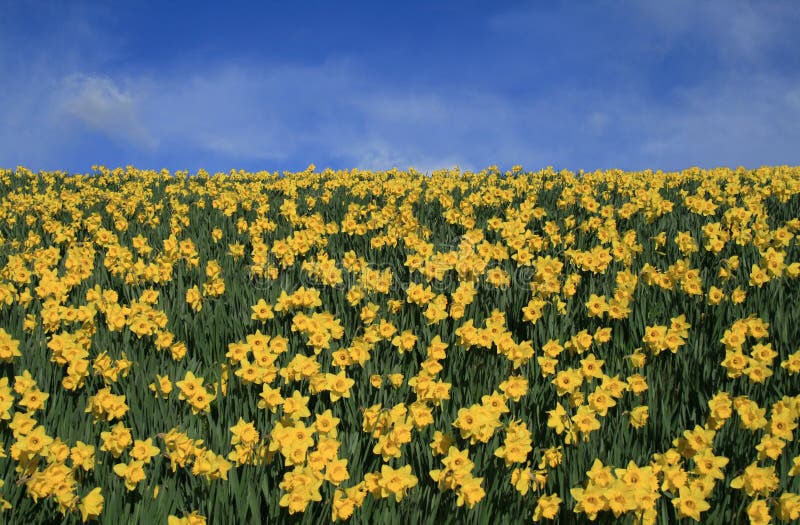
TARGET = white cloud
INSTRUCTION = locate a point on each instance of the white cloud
(300, 114)
(380, 155)
(738, 29)
(743, 110)
(30, 130)
(250, 111)
(597, 122)
(743, 121)
(334, 109)
(100, 103)
(41, 46)
(793, 98)
(284, 113)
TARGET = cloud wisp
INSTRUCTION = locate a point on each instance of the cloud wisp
(291, 116)
(102, 105)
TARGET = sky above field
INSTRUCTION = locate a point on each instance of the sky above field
(376, 85)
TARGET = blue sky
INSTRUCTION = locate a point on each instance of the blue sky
(280, 85)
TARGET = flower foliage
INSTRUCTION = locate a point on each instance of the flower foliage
(458, 347)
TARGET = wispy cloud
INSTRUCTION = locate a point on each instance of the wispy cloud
(335, 109)
(738, 30)
(30, 130)
(294, 115)
(102, 105)
(740, 109)
(744, 121)
(252, 111)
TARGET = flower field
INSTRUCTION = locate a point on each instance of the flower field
(394, 347)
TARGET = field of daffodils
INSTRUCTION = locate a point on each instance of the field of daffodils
(398, 347)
